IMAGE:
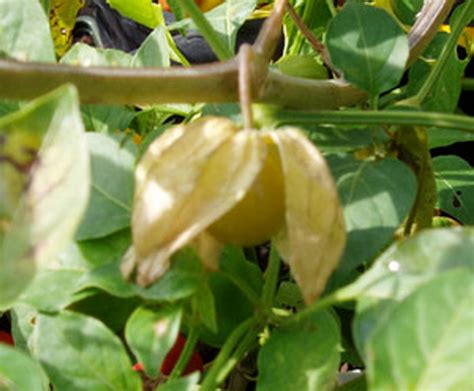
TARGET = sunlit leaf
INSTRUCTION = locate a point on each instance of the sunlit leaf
(142, 11)
(24, 31)
(426, 342)
(44, 184)
(314, 237)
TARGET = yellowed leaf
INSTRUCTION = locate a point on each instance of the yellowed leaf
(188, 178)
(62, 18)
(314, 235)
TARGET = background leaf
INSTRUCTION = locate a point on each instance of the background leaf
(426, 342)
(151, 333)
(80, 353)
(368, 46)
(110, 205)
(455, 186)
(24, 31)
(301, 354)
(142, 11)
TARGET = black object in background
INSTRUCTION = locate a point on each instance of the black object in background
(102, 26)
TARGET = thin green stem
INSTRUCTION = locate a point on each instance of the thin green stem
(245, 345)
(271, 278)
(210, 382)
(186, 353)
(206, 30)
(268, 115)
(463, 19)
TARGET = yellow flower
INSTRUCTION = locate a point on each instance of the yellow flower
(208, 183)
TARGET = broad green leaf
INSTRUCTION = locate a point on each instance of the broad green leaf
(151, 332)
(154, 51)
(182, 280)
(302, 354)
(413, 261)
(368, 46)
(44, 186)
(141, 11)
(110, 205)
(23, 321)
(187, 383)
(426, 342)
(24, 31)
(18, 372)
(7, 107)
(401, 269)
(79, 353)
(455, 185)
(376, 197)
(206, 308)
(444, 95)
(85, 55)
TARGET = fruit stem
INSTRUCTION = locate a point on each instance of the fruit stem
(271, 279)
(191, 341)
(229, 350)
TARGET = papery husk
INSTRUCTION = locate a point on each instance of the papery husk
(313, 238)
(188, 178)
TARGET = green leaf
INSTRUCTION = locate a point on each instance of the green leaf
(441, 137)
(44, 186)
(444, 95)
(85, 55)
(80, 353)
(52, 290)
(103, 251)
(109, 207)
(232, 306)
(376, 197)
(206, 307)
(141, 11)
(187, 383)
(154, 51)
(302, 66)
(225, 19)
(106, 118)
(301, 354)
(426, 342)
(20, 372)
(24, 32)
(455, 185)
(151, 333)
(368, 46)
(401, 269)
(182, 280)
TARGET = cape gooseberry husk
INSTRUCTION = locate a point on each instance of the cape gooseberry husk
(260, 214)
